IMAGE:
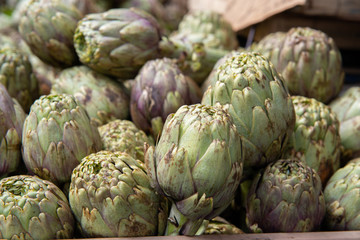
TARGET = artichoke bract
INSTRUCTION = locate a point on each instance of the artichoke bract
(117, 42)
(124, 136)
(347, 109)
(110, 196)
(33, 208)
(12, 118)
(342, 198)
(309, 61)
(316, 138)
(256, 97)
(17, 76)
(57, 135)
(103, 98)
(197, 164)
(286, 197)
(160, 88)
(48, 27)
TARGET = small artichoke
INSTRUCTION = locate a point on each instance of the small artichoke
(12, 118)
(117, 42)
(342, 198)
(160, 88)
(219, 225)
(103, 98)
(32, 208)
(316, 138)
(48, 27)
(196, 140)
(57, 134)
(347, 109)
(17, 76)
(286, 197)
(110, 196)
(124, 136)
(309, 61)
(256, 97)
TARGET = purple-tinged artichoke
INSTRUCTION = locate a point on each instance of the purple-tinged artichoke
(110, 196)
(285, 197)
(124, 136)
(347, 109)
(160, 88)
(48, 27)
(12, 118)
(103, 98)
(316, 138)
(57, 135)
(256, 97)
(33, 208)
(342, 198)
(197, 164)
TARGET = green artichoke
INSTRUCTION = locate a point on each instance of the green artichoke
(103, 98)
(32, 208)
(57, 134)
(342, 198)
(48, 27)
(17, 76)
(12, 118)
(257, 99)
(347, 108)
(195, 140)
(309, 61)
(124, 136)
(117, 42)
(219, 225)
(110, 196)
(160, 88)
(316, 138)
(286, 197)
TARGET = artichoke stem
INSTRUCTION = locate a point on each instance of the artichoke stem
(178, 224)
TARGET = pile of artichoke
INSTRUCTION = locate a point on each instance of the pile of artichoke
(138, 118)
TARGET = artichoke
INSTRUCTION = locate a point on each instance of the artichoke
(110, 196)
(309, 61)
(57, 134)
(32, 208)
(342, 198)
(347, 109)
(219, 225)
(103, 98)
(48, 27)
(12, 118)
(196, 140)
(17, 76)
(160, 89)
(255, 95)
(124, 136)
(316, 138)
(117, 42)
(286, 197)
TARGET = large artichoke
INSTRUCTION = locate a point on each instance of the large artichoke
(32, 208)
(103, 98)
(342, 198)
(309, 61)
(257, 99)
(57, 134)
(48, 28)
(110, 196)
(347, 108)
(17, 76)
(316, 138)
(124, 136)
(286, 197)
(12, 118)
(160, 89)
(197, 163)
